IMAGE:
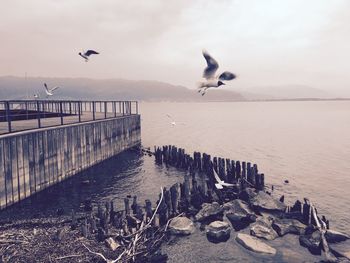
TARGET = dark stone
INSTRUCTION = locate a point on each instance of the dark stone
(333, 236)
(209, 212)
(312, 242)
(247, 194)
(218, 231)
(239, 214)
(264, 202)
(285, 226)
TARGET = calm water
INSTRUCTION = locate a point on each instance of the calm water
(307, 143)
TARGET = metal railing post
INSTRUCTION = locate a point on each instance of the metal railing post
(8, 115)
(79, 111)
(137, 107)
(115, 108)
(61, 112)
(38, 113)
(105, 109)
(93, 110)
(123, 107)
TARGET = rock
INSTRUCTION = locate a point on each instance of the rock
(239, 214)
(264, 202)
(218, 231)
(181, 226)
(111, 244)
(209, 211)
(254, 244)
(341, 249)
(286, 181)
(285, 226)
(312, 242)
(333, 236)
(247, 194)
(264, 230)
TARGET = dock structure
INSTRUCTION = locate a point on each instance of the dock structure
(44, 142)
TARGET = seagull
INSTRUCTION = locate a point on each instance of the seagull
(36, 96)
(220, 184)
(86, 54)
(213, 81)
(49, 92)
(172, 121)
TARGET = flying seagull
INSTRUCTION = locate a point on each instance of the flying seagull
(49, 92)
(173, 122)
(213, 81)
(219, 183)
(36, 96)
(87, 54)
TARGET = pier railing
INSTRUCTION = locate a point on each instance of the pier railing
(18, 115)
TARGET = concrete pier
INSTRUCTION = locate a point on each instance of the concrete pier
(33, 160)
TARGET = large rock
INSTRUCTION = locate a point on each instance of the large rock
(312, 242)
(181, 226)
(333, 236)
(254, 244)
(247, 194)
(285, 226)
(263, 229)
(218, 231)
(265, 202)
(239, 214)
(209, 212)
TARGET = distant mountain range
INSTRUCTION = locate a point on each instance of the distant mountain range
(146, 90)
(111, 89)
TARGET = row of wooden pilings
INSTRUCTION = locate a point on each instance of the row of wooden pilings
(228, 170)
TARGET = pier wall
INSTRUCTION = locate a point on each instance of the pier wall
(31, 161)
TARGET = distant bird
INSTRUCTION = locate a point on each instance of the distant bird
(49, 92)
(87, 54)
(173, 122)
(36, 96)
(219, 183)
(213, 81)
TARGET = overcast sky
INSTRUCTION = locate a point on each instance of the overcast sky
(269, 42)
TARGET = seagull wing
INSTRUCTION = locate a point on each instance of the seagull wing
(169, 116)
(212, 66)
(54, 88)
(217, 178)
(46, 88)
(227, 76)
(90, 52)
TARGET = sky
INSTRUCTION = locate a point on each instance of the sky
(271, 42)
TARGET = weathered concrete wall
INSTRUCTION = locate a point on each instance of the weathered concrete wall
(31, 161)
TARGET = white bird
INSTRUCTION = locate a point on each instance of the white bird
(36, 96)
(49, 92)
(173, 122)
(220, 184)
(213, 81)
(87, 54)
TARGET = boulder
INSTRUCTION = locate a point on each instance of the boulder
(263, 229)
(218, 231)
(312, 242)
(111, 244)
(265, 202)
(333, 236)
(247, 194)
(181, 226)
(209, 212)
(254, 244)
(239, 214)
(285, 226)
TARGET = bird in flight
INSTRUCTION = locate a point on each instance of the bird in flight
(173, 122)
(212, 81)
(87, 54)
(49, 92)
(36, 96)
(219, 183)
